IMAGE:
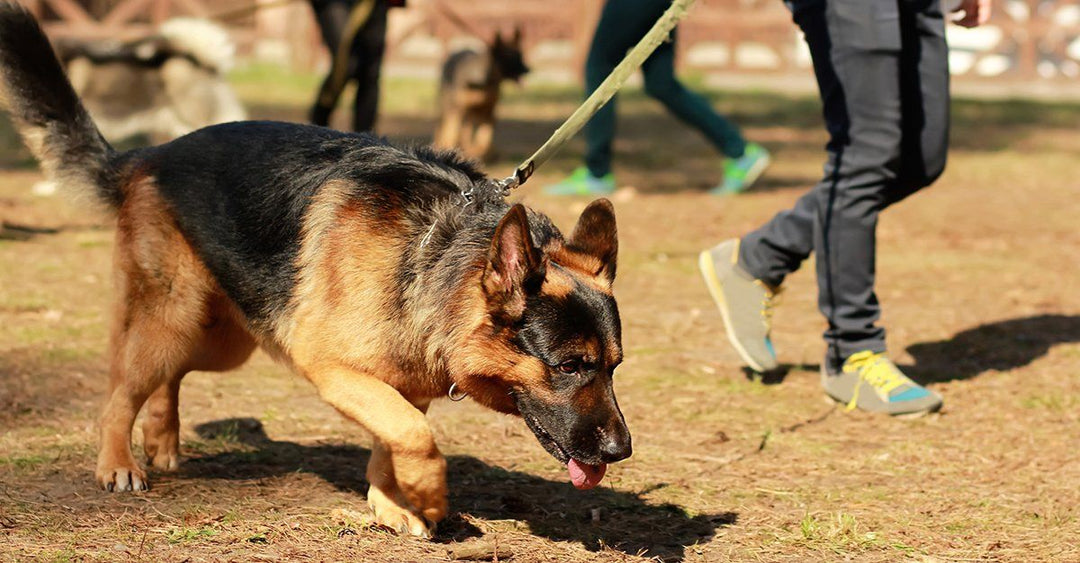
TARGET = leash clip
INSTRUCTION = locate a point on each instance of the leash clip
(508, 184)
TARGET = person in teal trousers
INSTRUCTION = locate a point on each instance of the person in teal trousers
(622, 24)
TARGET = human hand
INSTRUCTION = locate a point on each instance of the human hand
(976, 12)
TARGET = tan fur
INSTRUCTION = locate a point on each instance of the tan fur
(321, 216)
(557, 283)
(588, 267)
(338, 337)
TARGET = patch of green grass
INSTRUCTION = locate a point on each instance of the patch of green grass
(228, 433)
(45, 334)
(841, 532)
(69, 355)
(23, 303)
(958, 526)
(61, 556)
(186, 534)
(25, 462)
(270, 414)
(288, 87)
(809, 527)
(94, 243)
(1028, 113)
(1052, 403)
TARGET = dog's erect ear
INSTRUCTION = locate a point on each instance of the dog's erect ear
(497, 40)
(515, 266)
(596, 235)
(515, 40)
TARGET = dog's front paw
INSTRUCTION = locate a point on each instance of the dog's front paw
(422, 481)
(391, 514)
(121, 477)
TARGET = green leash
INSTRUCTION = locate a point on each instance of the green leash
(657, 35)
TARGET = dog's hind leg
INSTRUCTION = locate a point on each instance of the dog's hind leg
(223, 345)
(162, 294)
(147, 356)
(161, 426)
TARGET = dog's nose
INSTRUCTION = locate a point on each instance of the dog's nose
(615, 445)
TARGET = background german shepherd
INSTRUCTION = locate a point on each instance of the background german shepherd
(351, 261)
(469, 92)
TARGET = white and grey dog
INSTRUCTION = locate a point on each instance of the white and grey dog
(164, 85)
(167, 84)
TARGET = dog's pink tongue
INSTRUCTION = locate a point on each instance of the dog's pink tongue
(585, 476)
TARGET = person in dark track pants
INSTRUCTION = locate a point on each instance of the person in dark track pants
(882, 72)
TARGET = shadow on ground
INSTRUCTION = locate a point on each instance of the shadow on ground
(38, 383)
(552, 509)
(20, 232)
(1001, 346)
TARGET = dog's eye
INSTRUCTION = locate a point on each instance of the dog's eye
(570, 367)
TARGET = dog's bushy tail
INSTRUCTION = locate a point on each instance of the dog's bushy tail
(47, 112)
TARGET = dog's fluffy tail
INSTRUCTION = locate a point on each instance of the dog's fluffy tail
(47, 112)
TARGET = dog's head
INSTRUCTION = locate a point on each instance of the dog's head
(506, 56)
(554, 337)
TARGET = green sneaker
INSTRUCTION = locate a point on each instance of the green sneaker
(582, 182)
(870, 381)
(741, 173)
(745, 303)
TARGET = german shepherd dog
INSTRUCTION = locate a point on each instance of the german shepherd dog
(353, 262)
(469, 92)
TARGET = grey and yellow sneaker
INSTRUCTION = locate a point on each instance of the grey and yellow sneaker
(745, 303)
(871, 382)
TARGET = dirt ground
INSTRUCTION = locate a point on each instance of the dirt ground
(978, 277)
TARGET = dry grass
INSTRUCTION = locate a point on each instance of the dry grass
(977, 278)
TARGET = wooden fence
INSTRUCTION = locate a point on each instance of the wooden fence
(1025, 40)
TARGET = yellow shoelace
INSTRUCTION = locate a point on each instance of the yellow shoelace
(769, 303)
(877, 371)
